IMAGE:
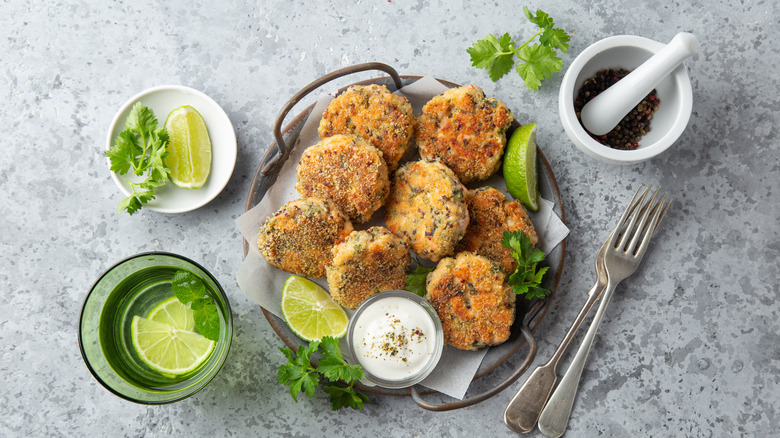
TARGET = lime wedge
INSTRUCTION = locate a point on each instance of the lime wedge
(170, 351)
(310, 312)
(189, 148)
(174, 313)
(520, 166)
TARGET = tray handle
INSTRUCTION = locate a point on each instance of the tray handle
(279, 151)
(522, 368)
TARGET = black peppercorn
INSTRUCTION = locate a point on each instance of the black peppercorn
(635, 124)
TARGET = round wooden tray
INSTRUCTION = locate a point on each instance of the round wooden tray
(529, 314)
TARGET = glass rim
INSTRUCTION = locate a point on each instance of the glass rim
(228, 324)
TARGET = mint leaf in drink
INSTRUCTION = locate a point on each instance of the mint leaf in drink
(191, 291)
(206, 317)
(187, 286)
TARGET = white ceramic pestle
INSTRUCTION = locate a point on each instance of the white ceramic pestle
(605, 111)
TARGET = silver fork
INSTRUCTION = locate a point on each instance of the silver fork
(627, 246)
(524, 409)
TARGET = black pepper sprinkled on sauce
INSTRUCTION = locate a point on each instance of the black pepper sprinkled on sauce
(395, 342)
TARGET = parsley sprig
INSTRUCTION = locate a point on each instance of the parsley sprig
(415, 280)
(299, 374)
(526, 279)
(140, 148)
(539, 61)
(191, 291)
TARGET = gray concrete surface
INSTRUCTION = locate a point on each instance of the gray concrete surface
(689, 345)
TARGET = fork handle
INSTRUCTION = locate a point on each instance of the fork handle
(523, 410)
(555, 416)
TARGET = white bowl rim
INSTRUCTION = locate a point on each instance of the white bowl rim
(230, 148)
(583, 140)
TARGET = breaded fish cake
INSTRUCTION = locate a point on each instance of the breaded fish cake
(366, 263)
(475, 304)
(299, 237)
(464, 130)
(348, 171)
(490, 214)
(427, 208)
(374, 113)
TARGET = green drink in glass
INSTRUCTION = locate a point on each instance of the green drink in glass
(117, 350)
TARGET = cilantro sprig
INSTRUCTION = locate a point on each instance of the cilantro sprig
(415, 280)
(191, 291)
(539, 61)
(299, 374)
(526, 279)
(141, 149)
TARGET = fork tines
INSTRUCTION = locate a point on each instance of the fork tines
(639, 221)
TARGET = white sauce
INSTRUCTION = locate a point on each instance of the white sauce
(394, 338)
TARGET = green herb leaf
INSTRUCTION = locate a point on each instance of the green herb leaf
(541, 19)
(493, 54)
(191, 291)
(540, 63)
(299, 374)
(497, 55)
(556, 38)
(526, 279)
(415, 280)
(298, 378)
(123, 152)
(141, 119)
(140, 148)
(187, 286)
(206, 318)
(345, 397)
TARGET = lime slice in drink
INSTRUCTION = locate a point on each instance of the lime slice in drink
(310, 312)
(520, 166)
(170, 351)
(174, 313)
(189, 148)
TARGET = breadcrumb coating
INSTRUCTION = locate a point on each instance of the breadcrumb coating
(474, 303)
(490, 214)
(464, 130)
(348, 171)
(384, 119)
(300, 236)
(366, 263)
(427, 208)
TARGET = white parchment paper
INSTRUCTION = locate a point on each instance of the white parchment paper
(263, 283)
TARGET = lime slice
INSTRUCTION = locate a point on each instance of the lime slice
(520, 166)
(310, 312)
(189, 148)
(175, 314)
(170, 351)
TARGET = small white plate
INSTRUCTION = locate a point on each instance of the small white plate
(162, 100)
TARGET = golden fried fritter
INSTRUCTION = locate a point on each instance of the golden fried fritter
(347, 170)
(464, 130)
(374, 113)
(475, 304)
(490, 214)
(366, 263)
(300, 236)
(427, 208)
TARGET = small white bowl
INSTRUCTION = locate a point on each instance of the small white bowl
(628, 52)
(402, 307)
(162, 100)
